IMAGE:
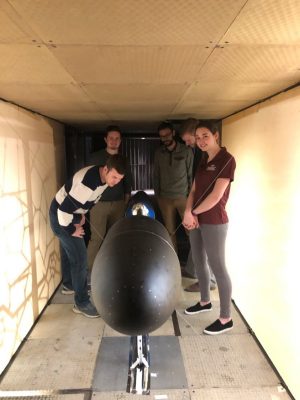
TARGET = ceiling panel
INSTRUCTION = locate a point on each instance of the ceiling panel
(253, 64)
(146, 116)
(80, 117)
(266, 22)
(30, 64)
(130, 22)
(209, 109)
(47, 99)
(89, 62)
(13, 29)
(113, 94)
(51, 92)
(227, 90)
(13, 33)
(140, 107)
(135, 64)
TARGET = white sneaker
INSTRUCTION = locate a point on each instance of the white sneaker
(66, 290)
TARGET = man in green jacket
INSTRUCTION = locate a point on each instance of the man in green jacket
(173, 171)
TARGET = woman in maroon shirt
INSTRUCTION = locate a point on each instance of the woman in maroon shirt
(206, 218)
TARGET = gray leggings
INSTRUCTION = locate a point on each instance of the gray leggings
(210, 240)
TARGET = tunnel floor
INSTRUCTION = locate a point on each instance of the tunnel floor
(70, 357)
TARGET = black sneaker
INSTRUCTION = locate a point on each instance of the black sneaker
(88, 311)
(217, 327)
(197, 308)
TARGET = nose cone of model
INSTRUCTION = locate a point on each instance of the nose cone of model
(136, 276)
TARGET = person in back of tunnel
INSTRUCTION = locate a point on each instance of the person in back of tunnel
(172, 178)
(113, 202)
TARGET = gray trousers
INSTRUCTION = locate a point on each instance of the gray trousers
(208, 243)
(190, 268)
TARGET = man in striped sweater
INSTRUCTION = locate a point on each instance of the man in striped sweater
(67, 217)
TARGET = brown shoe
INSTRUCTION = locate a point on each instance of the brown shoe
(193, 288)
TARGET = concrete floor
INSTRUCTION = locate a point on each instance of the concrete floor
(59, 360)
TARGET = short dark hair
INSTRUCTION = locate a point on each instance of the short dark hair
(189, 126)
(118, 162)
(210, 125)
(165, 125)
(112, 128)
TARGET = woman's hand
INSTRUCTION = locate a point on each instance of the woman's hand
(196, 221)
(189, 220)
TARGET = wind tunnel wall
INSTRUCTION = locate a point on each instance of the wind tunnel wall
(32, 157)
(264, 212)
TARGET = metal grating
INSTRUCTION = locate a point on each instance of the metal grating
(140, 152)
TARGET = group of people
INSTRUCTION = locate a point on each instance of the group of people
(191, 178)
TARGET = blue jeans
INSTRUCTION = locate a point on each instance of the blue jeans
(73, 259)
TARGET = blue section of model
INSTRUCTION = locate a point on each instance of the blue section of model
(140, 204)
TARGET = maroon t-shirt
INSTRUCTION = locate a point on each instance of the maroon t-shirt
(221, 166)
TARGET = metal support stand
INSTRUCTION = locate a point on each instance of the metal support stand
(139, 362)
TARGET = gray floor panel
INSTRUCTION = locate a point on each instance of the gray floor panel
(167, 369)
(59, 321)
(170, 394)
(71, 396)
(225, 361)
(66, 363)
(59, 298)
(167, 362)
(259, 393)
(112, 364)
(62, 355)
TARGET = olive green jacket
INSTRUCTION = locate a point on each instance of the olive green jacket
(173, 171)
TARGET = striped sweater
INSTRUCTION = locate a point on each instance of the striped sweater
(77, 196)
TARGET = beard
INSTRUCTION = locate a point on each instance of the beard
(167, 143)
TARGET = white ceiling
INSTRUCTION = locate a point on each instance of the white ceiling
(93, 62)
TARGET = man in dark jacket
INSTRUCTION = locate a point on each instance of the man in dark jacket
(112, 204)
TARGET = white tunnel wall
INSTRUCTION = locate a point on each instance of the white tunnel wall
(264, 210)
(32, 165)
